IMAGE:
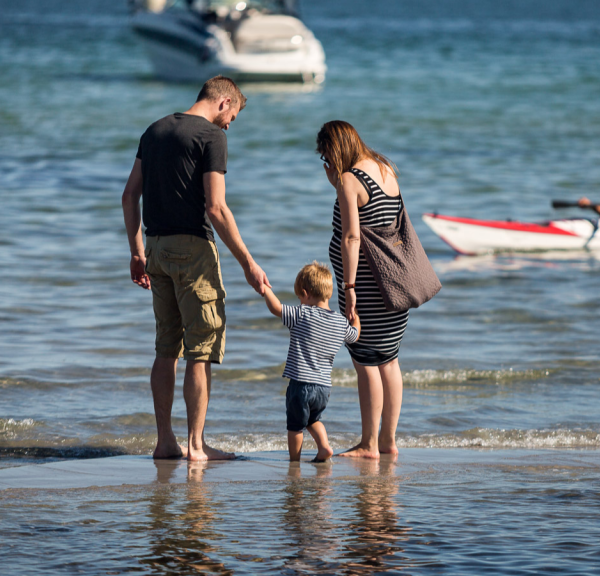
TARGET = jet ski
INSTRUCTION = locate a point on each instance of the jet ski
(471, 236)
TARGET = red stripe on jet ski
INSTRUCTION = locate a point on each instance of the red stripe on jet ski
(516, 226)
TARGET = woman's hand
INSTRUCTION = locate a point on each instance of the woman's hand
(350, 304)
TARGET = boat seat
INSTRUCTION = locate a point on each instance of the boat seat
(273, 33)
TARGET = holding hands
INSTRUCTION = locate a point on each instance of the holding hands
(256, 277)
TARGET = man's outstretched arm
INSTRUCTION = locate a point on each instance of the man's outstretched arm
(222, 219)
(133, 223)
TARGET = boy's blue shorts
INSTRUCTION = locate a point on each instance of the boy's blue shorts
(304, 404)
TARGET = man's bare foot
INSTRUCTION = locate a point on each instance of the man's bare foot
(208, 453)
(388, 450)
(323, 454)
(170, 451)
(360, 452)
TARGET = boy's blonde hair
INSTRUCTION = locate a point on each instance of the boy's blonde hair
(316, 279)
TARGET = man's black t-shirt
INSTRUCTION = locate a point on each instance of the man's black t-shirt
(175, 152)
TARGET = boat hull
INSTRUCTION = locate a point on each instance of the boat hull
(471, 236)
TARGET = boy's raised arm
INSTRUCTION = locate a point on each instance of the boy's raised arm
(273, 303)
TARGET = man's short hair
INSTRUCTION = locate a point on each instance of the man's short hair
(316, 279)
(219, 87)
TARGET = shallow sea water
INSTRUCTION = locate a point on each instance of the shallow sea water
(490, 110)
(446, 514)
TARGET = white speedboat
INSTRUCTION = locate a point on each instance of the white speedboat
(194, 40)
(470, 236)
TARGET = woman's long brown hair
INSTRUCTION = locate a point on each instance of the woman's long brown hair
(340, 143)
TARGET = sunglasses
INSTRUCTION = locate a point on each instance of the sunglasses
(325, 160)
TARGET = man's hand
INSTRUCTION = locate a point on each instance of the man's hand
(137, 266)
(256, 277)
(133, 224)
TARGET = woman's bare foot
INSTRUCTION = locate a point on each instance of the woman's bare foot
(208, 453)
(170, 451)
(388, 450)
(324, 453)
(360, 452)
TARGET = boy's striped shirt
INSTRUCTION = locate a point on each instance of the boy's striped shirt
(316, 335)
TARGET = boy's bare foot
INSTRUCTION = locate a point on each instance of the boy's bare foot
(323, 454)
(170, 451)
(360, 452)
(208, 453)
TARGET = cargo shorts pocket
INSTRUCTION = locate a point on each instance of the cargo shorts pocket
(208, 283)
(151, 265)
(172, 256)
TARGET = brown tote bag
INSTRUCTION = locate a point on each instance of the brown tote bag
(399, 264)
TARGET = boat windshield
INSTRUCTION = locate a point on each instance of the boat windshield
(263, 6)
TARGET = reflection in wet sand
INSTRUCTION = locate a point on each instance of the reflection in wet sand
(344, 527)
(373, 544)
(181, 531)
(307, 518)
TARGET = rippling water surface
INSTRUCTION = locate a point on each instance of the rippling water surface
(488, 111)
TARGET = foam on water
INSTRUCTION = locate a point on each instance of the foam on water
(17, 446)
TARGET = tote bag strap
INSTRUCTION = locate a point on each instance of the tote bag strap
(403, 209)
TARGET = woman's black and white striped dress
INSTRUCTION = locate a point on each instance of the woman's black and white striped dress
(381, 331)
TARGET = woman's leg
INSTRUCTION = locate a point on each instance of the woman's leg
(370, 397)
(391, 379)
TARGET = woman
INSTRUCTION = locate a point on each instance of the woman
(367, 195)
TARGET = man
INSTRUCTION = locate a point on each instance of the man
(180, 173)
(586, 203)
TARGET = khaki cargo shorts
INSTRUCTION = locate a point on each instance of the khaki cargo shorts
(187, 295)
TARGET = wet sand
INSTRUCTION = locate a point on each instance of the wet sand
(275, 467)
(432, 511)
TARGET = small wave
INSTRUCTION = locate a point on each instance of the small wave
(342, 377)
(78, 376)
(432, 378)
(9, 427)
(249, 375)
(505, 439)
(424, 378)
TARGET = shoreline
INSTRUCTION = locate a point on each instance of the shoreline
(275, 467)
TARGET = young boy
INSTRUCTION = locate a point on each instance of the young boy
(316, 334)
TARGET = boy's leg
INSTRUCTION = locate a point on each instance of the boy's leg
(319, 396)
(297, 412)
(318, 432)
(295, 444)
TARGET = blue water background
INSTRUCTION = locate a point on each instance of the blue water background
(488, 110)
